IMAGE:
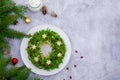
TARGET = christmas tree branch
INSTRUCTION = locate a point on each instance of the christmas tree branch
(11, 72)
(3, 63)
(10, 33)
(19, 10)
(3, 44)
(9, 13)
(7, 20)
(23, 74)
(18, 73)
(6, 8)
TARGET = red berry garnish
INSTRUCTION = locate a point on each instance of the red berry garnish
(76, 51)
(70, 77)
(67, 68)
(75, 65)
(81, 57)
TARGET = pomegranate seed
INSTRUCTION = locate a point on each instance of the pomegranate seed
(75, 65)
(76, 51)
(81, 57)
(70, 77)
(67, 68)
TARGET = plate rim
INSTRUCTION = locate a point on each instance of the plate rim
(34, 68)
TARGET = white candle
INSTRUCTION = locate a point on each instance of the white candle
(35, 5)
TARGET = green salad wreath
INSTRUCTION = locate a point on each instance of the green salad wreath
(46, 49)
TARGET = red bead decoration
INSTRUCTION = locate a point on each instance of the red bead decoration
(14, 61)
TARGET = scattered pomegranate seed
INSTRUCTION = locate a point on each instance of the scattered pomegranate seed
(67, 68)
(70, 77)
(76, 51)
(75, 65)
(81, 57)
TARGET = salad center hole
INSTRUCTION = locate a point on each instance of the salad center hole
(45, 49)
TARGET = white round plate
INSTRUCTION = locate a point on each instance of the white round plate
(29, 64)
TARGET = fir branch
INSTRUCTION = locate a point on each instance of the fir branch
(6, 8)
(20, 10)
(23, 74)
(9, 13)
(3, 63)
(19, 73)
(11, 72)
(34, 78)
(37, 79)
(3, 44)
(14, 71)
(6, 2)
(7, 20)
(10, 33)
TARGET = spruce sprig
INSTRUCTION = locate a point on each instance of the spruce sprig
(9, 13)
(18, 73)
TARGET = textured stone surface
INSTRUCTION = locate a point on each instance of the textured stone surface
(93, 27)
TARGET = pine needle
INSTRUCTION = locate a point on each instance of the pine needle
(10, 33)
(7, 20)
(6, 8)
(9, 13)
